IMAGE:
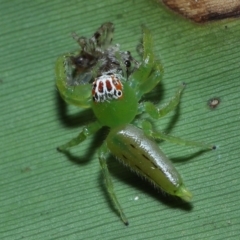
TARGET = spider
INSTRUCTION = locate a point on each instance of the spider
(115, 99)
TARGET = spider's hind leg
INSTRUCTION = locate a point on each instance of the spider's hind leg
(148, 130)
(102, 154)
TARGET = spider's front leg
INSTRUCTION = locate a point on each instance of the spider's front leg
(78, 95)
(102, 154)
(87, 131)
(150, 72)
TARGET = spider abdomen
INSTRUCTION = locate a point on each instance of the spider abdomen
(129, 144)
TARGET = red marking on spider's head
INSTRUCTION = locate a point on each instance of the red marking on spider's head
(100, 87)
(107, 87)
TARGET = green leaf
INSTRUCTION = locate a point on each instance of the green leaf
(47, 195)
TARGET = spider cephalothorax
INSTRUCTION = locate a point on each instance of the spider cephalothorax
(116, 101)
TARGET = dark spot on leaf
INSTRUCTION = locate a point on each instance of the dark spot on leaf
(214, 102)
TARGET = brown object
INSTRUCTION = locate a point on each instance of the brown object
(205, 10)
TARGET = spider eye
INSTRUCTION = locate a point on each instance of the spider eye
(119, 93)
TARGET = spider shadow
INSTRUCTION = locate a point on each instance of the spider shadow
(128, 177)
(189, 157)
(77, 120)
(159, 89)
(174, 119)
(88, 155)
(123, 174)
(73, 120)
(156, 93)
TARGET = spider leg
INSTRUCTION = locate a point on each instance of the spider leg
(150, 71)
(102, 38)
(102, 154)
(147, 46)
(79, 95)
(155, 112)
(104, 35)
(87, 131)
(148, 130)
(150, 82)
